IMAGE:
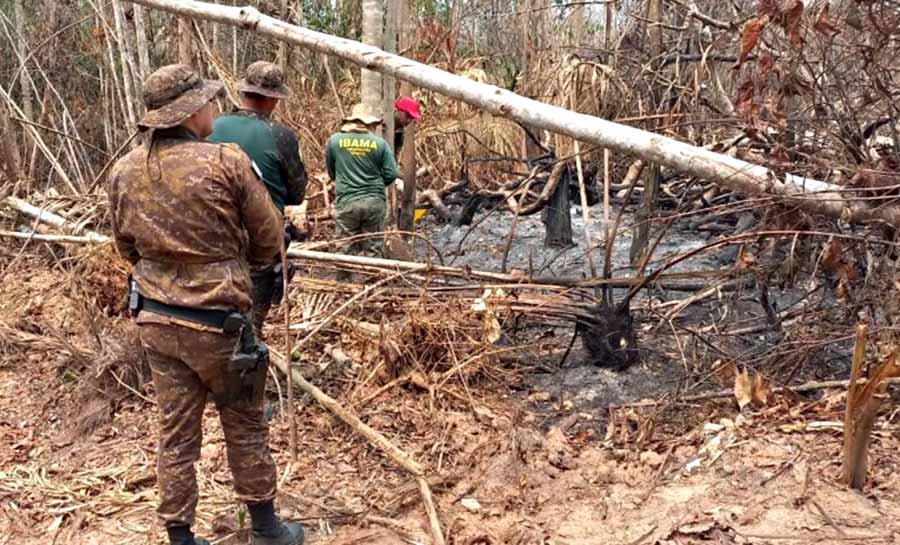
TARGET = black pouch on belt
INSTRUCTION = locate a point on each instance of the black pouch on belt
(245, 372)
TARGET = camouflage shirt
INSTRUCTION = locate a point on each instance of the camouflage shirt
(191, 217)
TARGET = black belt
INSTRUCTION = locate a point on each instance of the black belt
(211, 318)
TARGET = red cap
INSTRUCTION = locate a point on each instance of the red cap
(408, 105)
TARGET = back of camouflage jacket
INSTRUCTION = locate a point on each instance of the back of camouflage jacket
(192, 216)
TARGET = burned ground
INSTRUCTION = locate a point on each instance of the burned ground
(518, 450)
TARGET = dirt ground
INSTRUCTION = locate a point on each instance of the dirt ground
(519, 456)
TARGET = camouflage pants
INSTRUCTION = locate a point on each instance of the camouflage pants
(362, 216)
(186, 365)
(263, 287)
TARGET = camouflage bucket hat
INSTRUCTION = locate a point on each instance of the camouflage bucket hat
(174, 93)
(266, 79)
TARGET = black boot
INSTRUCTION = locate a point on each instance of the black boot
(268, 530)
(182, 535)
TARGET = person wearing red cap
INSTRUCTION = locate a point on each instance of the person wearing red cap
(406, 110)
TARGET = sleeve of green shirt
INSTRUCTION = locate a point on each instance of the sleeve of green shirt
(293, 170)
(329, 157)
(389, 169)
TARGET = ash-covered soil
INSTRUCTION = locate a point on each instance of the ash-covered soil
(513, 459)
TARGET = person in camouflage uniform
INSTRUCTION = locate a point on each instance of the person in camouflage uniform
(275, 149)
(192, 217)
(361, 165)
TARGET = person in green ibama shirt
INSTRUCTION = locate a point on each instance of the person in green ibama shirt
(361, 164)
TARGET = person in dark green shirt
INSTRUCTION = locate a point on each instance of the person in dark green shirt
(361, 164)
(275, 150)
(273, 147)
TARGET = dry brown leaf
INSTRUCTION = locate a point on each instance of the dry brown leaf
(762, 391)
(743, 389)
(831, 256)
(846, 275)
(792, 19)
(750, 37)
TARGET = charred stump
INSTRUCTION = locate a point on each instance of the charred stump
(470, 208)
(557, 217)
(608, 336)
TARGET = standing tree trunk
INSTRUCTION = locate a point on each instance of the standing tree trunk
(557, 214)
(373, 33)
(407, 17)
(140, 31)
(127, 68)
(185, 54)
(282, 57)
(651, 185)
(609, 30)
(393, 242)
(577, 27)
(527, 144)
(389, 90)
(22, 52)
(10, 160)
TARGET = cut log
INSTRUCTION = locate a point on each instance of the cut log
(811, 195)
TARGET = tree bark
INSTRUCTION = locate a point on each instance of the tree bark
(405, 222)
(389, 90)
(372, 33)
(282, 55)
(645, 212)
(811, 195)
(140, 30)
(22, 51)
(609, 29)
(50, 218)
(557, 215)
(10, 160)
(185, 53)
(127, 67)
(408, 166)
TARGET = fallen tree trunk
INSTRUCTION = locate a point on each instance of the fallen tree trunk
(62, 239)
(812, 195)
(377, 264)
(45, 216)
(674, 281)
